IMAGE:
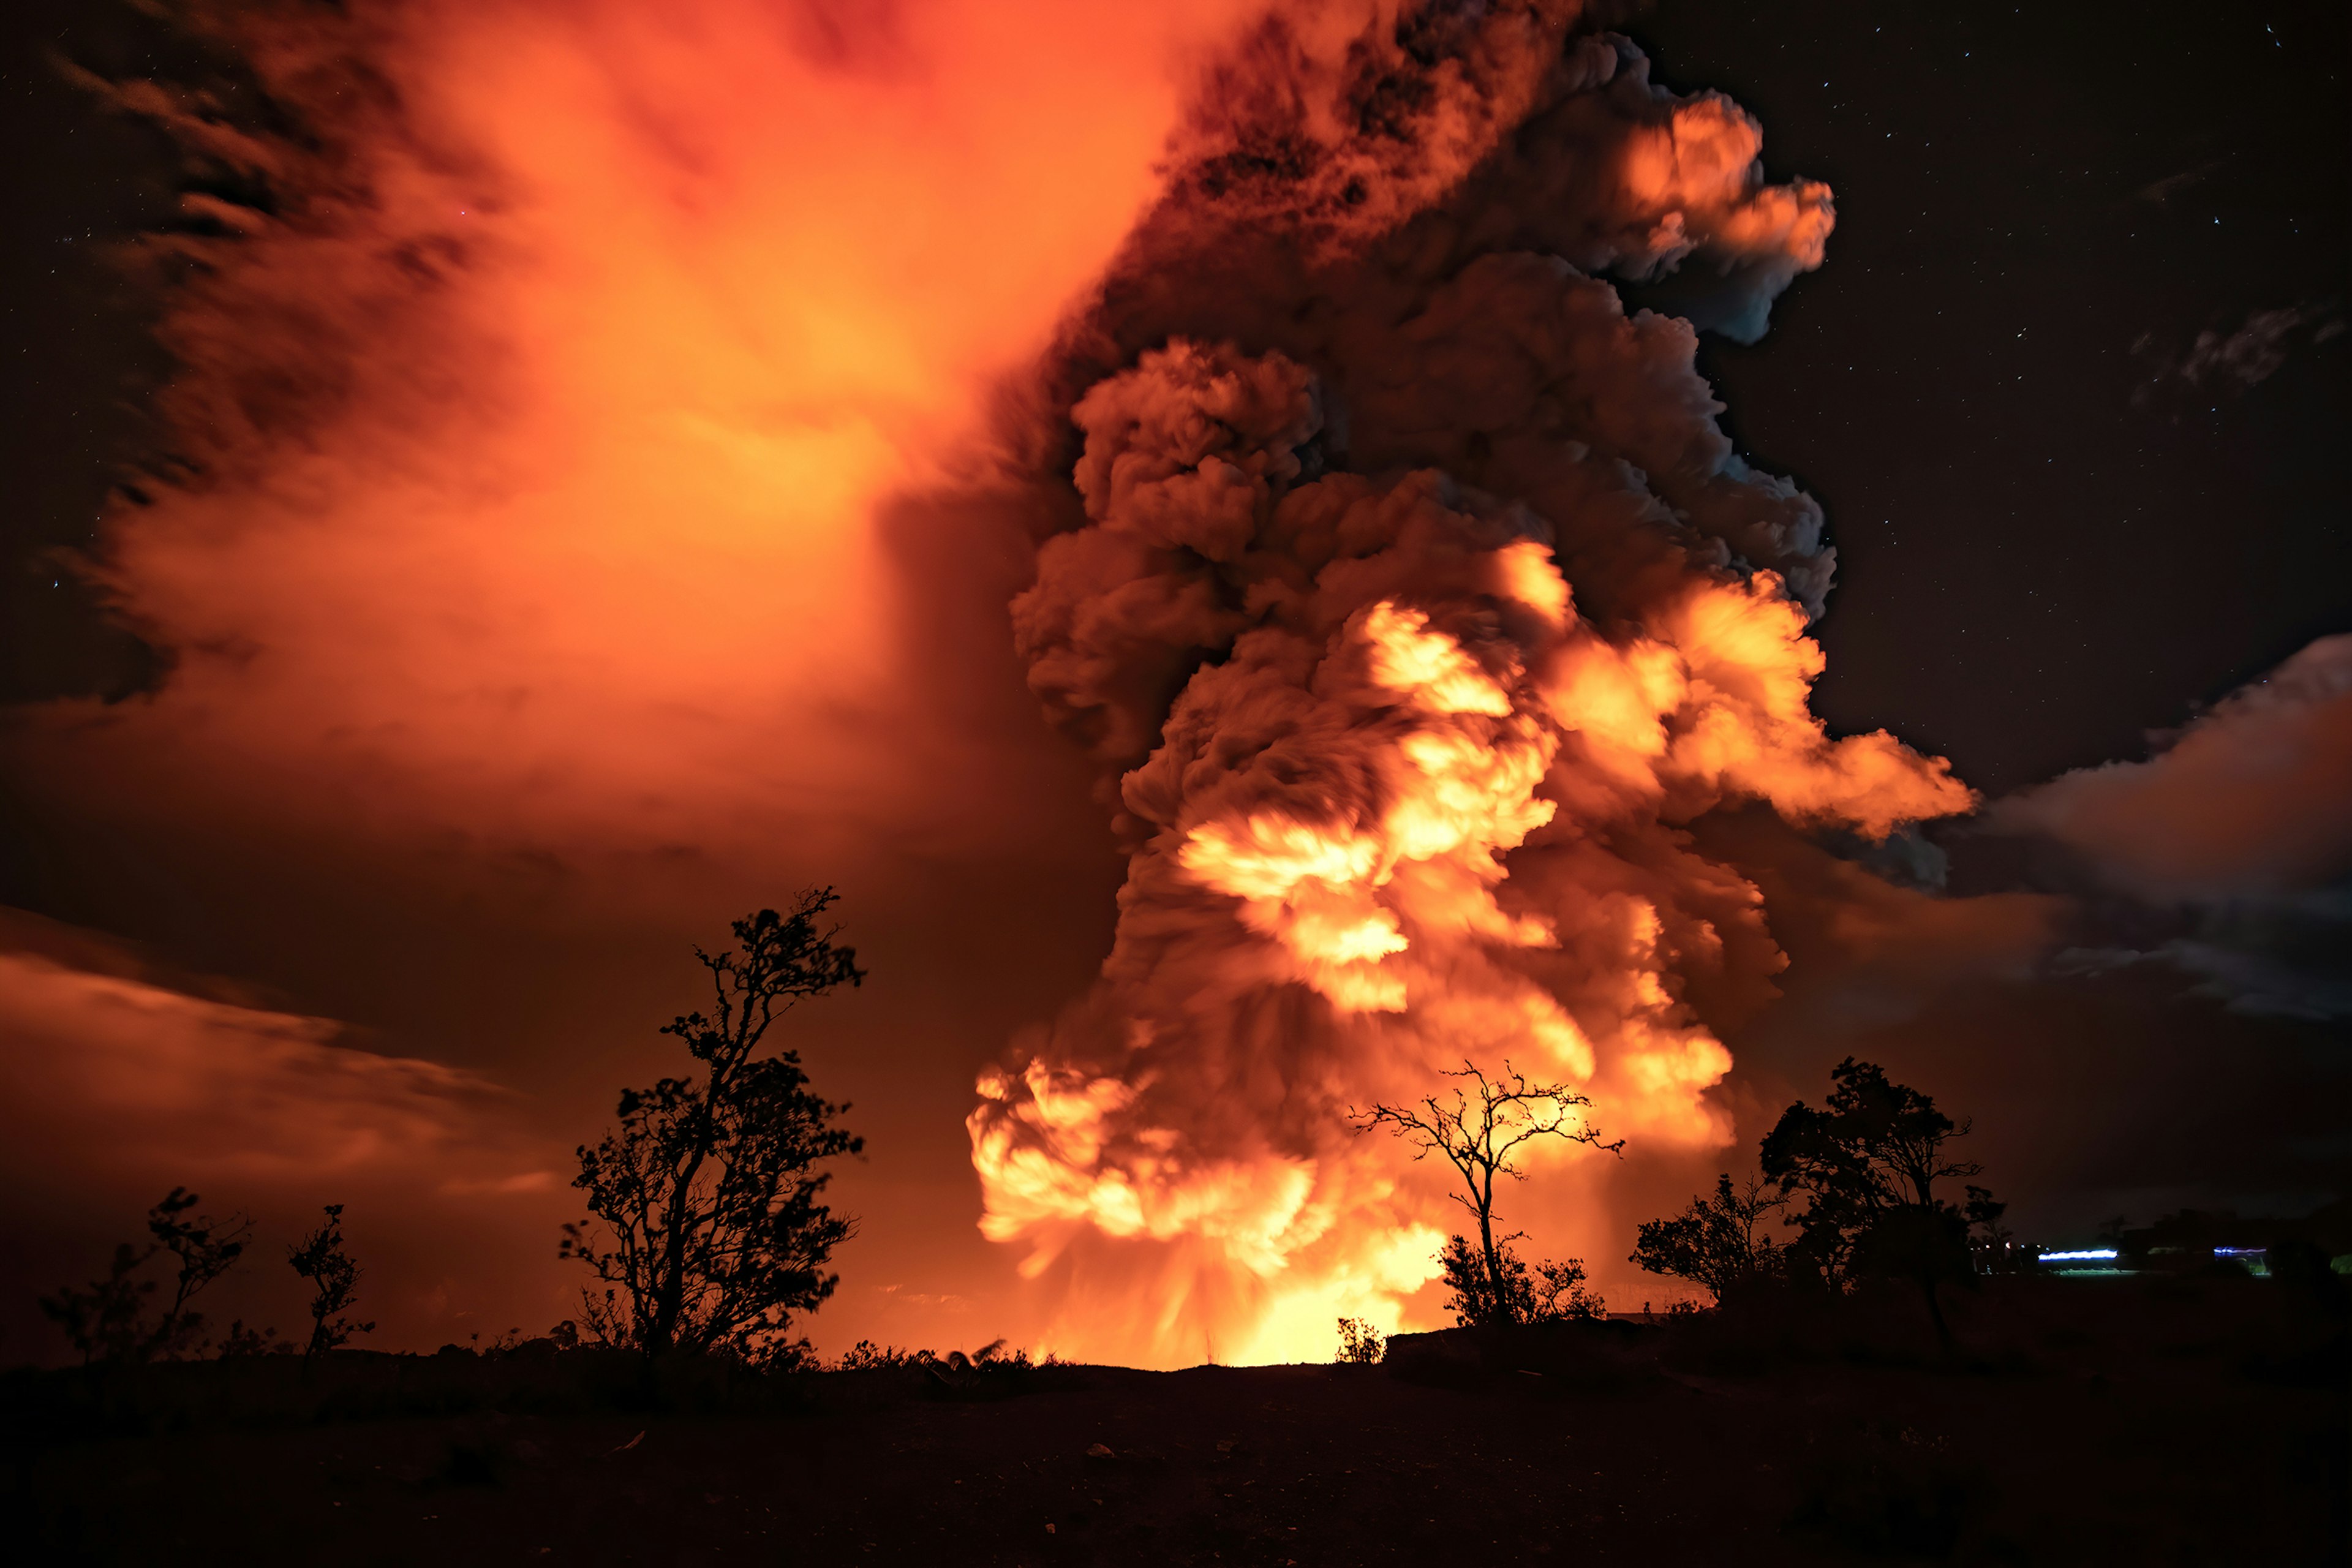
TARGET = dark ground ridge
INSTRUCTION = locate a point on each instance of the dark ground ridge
(2150, 1420)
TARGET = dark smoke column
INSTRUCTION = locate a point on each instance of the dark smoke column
(1418, 601)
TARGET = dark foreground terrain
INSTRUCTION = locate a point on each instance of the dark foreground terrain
(2129, 1421)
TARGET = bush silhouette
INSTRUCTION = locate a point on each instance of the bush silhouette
(107, 1320)
(1714, 1243)
(1360, 1343)
(1552, 1292)
(334, 1279)
(1867, 1164)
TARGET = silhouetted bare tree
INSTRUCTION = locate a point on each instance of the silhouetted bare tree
(714, 1236)
(106, 1322)
(334, 1279)
(1714, 1243)
(1480, 1132)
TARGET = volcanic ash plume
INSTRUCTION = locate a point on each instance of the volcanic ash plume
(537, 404)
(1394, 796)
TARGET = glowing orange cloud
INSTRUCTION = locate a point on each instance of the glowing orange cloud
(540, 426)
(1419, 604)
(535, 426)
(1335, 808)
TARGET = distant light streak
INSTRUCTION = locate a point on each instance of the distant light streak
(2095, 1255)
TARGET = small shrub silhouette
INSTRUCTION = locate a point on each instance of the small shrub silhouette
(103, 1320)
(334, 1279)
(1555, 1293)
(107, 1320)
(241, 1343)
(1714, 1243)
(867, 1356)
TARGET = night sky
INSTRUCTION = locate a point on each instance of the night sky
(2047, 543)
(2070, 387)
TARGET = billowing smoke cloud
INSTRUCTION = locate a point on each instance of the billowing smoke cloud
(553, 377)
(2247, 799)
(548, 554)
(1417, 604)
(2237, 832)
(542, 384)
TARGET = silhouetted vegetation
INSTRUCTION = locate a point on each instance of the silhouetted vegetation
(203, 1249)
(1867, 1164)
(867, 1356)
(1809, 1399)
(1479, 1134)
(995, 1371)
(103, 1319)
(1551, 1292)
(1716, 1242)
(334, 1281)
(713, 1234)
(106, 1322)
(1872, 1168)
(241, 1343)
(1360, 1343)
(2163, 1418)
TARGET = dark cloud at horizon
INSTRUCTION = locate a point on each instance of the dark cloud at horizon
(2126, 978)
(2226, 855)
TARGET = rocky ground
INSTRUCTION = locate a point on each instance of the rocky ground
(2143, 1421)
